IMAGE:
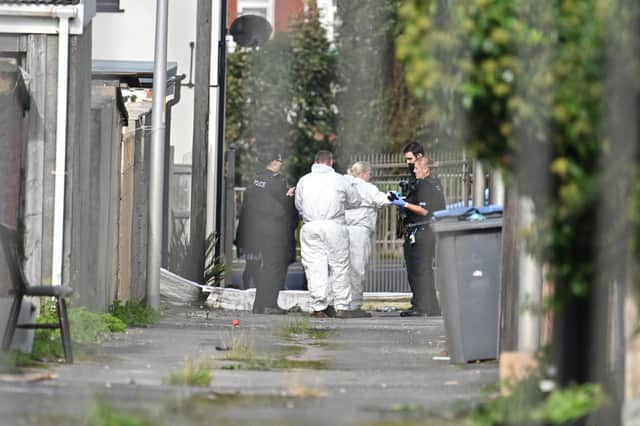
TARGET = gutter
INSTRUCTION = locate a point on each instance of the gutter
(40, 19)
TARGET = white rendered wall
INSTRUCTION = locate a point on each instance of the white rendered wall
(130, 36)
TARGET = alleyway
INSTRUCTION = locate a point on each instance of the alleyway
(377, 371)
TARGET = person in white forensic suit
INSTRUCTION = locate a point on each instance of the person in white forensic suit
(321, 198)
(361, 224)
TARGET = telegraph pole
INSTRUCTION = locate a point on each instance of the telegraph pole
(156, 178)
(197, 229)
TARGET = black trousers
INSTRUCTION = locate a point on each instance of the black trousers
(251, 270)
(271, 278)
(419, 260)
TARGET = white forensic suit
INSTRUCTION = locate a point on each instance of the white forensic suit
(321, 199)
(361, 224)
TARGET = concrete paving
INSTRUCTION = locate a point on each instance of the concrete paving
(372, 371)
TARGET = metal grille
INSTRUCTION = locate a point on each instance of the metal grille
(387, 271)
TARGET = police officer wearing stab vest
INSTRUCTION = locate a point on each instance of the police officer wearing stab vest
(423, 199)
(268, 225)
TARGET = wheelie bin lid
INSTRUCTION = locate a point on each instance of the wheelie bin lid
(468, 218)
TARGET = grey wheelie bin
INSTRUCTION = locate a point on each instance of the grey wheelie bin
(467, 277)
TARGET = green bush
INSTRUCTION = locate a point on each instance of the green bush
(523, 83)
(104, 414)
(192, 374)
(133, 313)
(85, 326)
(527, 403)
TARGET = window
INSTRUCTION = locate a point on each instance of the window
(262, 8)
(108, 6)
(260, 11)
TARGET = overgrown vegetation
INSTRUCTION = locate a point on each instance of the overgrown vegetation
(193, 373)
(524, 85)
(547, 91)
(134, 313)
(527, 403)
(214, 267)
(104, 414)
(241, 349)
(86, 328)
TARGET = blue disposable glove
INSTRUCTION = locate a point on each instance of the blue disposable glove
(399, 202)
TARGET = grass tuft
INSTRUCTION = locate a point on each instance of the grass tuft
(193, 373)
(104, 414)
(134, 313)
(301, 328)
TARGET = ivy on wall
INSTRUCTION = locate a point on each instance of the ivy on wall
(523, 82)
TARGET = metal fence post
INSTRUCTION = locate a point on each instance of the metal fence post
(478, 184)
(496, 189)
(229, 214)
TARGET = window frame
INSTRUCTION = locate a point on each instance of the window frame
(258, 4)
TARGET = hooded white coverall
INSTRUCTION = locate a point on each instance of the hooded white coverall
(321, 199)
(361, 224)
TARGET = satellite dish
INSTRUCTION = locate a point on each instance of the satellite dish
(250, 30)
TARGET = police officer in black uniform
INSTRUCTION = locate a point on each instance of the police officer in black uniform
(269, 222)
(419, 241)
(411, 152)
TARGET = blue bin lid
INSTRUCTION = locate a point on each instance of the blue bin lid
(462, 213)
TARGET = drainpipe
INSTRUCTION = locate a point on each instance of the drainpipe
(166, 206)
(222, 69)
(61, 145)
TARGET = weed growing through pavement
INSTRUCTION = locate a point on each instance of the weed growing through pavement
(238, 344)
(134, 313)
(301, 328)
(104, 414)
(242, 349)
(193, 373)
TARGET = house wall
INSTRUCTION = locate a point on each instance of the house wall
(284, 10)
(12, 142)
(131, 36)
